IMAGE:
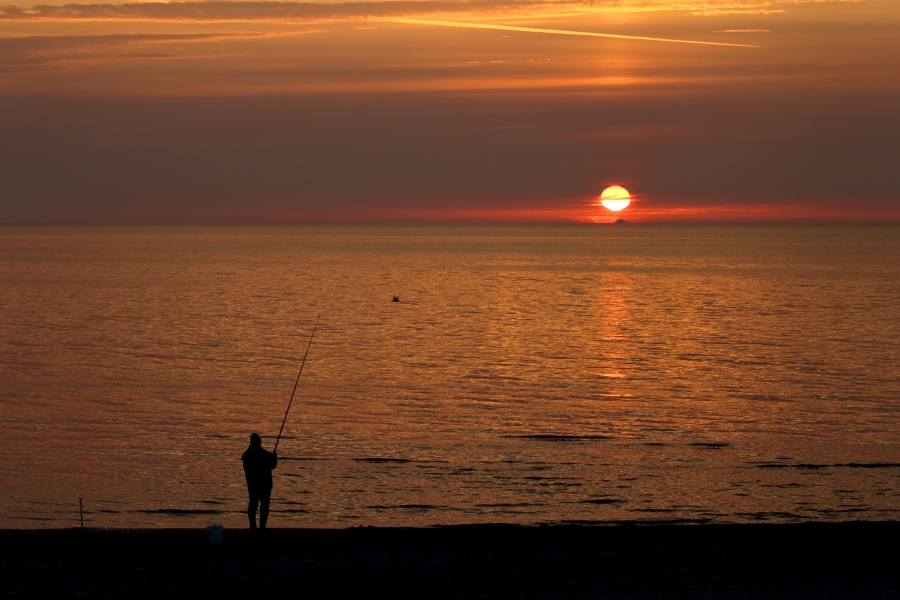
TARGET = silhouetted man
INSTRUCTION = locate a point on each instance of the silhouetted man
(258, 465)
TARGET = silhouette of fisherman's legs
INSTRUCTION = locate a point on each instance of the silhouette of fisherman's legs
(251, 509)
(264, 498)
(259, 498)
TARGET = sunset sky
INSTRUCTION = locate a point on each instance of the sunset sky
(486, 110)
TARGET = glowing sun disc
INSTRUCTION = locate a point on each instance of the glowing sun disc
(615, 198)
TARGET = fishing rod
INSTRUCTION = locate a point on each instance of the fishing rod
(296, 382)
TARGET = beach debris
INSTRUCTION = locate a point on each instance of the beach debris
(216, 533)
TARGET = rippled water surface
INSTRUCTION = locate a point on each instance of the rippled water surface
(526, 375)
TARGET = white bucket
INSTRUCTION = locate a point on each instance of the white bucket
(215, 533)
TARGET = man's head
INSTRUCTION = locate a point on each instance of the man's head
(255, 440)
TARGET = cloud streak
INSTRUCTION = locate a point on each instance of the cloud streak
(563, 32)
(43, 53)
(217, 11)
(256, 11)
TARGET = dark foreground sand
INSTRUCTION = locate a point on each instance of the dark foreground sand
(841, 560)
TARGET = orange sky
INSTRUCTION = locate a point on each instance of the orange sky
(445, 110)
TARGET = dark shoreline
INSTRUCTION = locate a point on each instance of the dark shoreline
(805, 560)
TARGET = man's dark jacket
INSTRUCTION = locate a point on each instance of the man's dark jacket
(258, 465)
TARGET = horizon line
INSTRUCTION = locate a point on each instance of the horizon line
(451, 222)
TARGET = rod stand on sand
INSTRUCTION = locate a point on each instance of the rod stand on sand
(295, 383)
(81, 510)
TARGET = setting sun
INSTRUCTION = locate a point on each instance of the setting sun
(615, 198)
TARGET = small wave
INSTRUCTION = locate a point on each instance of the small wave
(788, 485)
(630, 522)
(762, 515)
(685, 521)
(511, 505)
(383, 460)
(408, 507)
(763, 397)
(549, 437)
(44, 503)
(601, 501)
(709, 445)
(828, 466)
(558, 484)
(181, 511)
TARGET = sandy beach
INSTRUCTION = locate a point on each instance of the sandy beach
(811, 560)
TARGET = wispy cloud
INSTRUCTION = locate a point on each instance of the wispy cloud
(43, 53)
(256, 11)
(562, 32)
(216, 11)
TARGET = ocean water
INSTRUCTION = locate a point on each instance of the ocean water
(583, 373)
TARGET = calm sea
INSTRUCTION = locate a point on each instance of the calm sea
(527, 374)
